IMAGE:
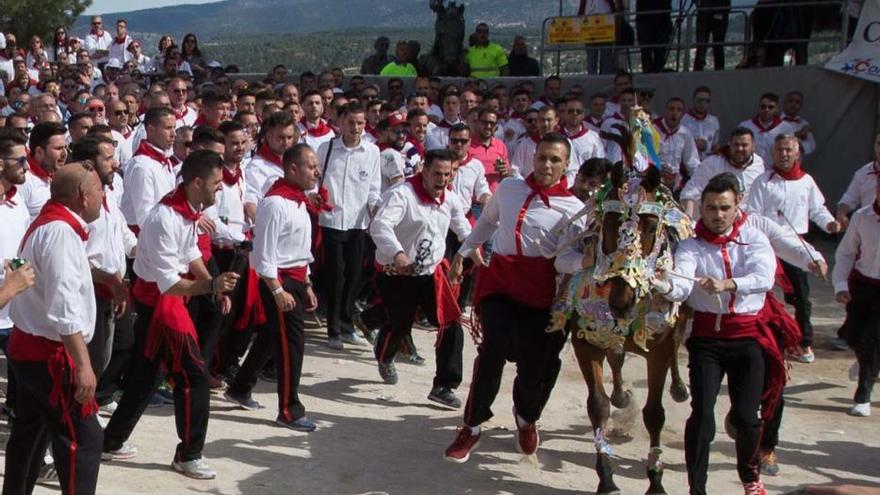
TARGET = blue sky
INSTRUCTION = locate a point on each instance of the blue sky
(102, 6)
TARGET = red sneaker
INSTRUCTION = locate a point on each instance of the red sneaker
(527, 439)
(754, 488)
(460, 450)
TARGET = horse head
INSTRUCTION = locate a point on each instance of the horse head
(631, 238)
(449, 32)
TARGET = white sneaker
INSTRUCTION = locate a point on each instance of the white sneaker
(862, 410)
(354, 339)
(109, 409)
(196, 469)
(127, 451)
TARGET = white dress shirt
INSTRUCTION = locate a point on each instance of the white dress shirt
(797, 123)
(167, 245)
(186, 117)
(119, 50)
(393, 167)
(787, 245)
(862, 189)
(93, 43)
(35, 192)
(110, 239)
(789, 201)
(470, 181)
(717, 164)
(524, 156)
(677, 148)
(404, 223)
(749, 262)
(859, 249)
(765, 136)
(353, 179)
(706, 128)
(259, 176)
(282, 236)
(62, 300)
(438, 138)
(124, 149)
(230, 205)
(314, 142)
(146, 182)
(585, 144)
(14, 218)
(593, 123)
(499, 221)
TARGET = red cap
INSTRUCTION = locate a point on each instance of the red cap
(395, 119)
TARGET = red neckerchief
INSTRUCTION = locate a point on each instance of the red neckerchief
(54, 211)
(99, 34)
(595, 122)
(517, 115)
(319, 130)
(617, 116)
(794, 173)
(127, 134)
(371, 131)
(420, 148)
(705, 234)
(545, 101)
(467, 159)
(231, 178)
(615, 99)
(791, 119)
(180, 115)
(558, 189)
(287, 191)
(773, 125)
(153, 153)
(37, 170)
(582, 131)
(535, 138)
(418, 185)
(387, 146)
(660, 124)
(8, 195)
(176, 199)
(270, 156)
(120, 41)
(696, 116)
(445, 124)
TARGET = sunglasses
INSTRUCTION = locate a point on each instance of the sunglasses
(768, 107)
(20, 160)
(575, 111)
(459, 140)
(121, 112)
(489, 123)
(96, 109)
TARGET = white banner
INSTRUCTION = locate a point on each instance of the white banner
(861, 58)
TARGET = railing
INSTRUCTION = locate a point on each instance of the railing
(739, 38)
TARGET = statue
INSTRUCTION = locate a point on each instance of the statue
(446, 56)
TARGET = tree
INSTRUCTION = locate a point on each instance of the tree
(26, 18)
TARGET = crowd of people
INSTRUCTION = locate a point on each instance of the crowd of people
(171, 236)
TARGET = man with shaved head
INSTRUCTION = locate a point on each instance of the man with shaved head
(54, 321)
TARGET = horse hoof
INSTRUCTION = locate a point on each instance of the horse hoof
(679, 392)
(605, 470)
(655, 480)
(621, 400)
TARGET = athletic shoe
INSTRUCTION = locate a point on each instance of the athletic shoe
(388, 373)
(465, 443)
(108, 409)
(445, 396)
(217, 384)
(807, 356)
(413, 358)
(47, 473)
(301, 424)
(156, 400)
(166, 393)
(127, 451)
(839, 344)
(245, 402)
(354, 339)
(754, 488)
(527, 438)
(197, 469)
(335, 343)
(768, 463)
(861, 410)
(359, 324)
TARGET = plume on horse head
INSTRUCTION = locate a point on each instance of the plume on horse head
(638, 140)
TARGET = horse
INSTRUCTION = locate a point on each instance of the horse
(446, 56)
(612, 309)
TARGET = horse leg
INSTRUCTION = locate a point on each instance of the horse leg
(678, 389)
(590, 361)
(620, 398)
(654, 416)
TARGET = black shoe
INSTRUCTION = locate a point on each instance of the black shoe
(388, 373)
(269, 374)
(445, 396)
(245, 402)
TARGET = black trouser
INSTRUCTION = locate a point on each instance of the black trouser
(517, 333)
(800, 299)
(233, 342)
(101, 346)
(714, 23)
(653, 29)
(191, 392)
(343, 265)
(467, 282)
(401, 296)
(10, 374)
(76, 441)
(743, 363)
(282, 336)
(112, 377)
(862, 333)
(770, 430)
(205, 313)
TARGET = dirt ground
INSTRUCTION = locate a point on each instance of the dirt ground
(380, 439)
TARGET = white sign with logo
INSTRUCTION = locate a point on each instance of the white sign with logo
(862, 57)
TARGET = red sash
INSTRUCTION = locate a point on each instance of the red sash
(528, 280)
(297, 273)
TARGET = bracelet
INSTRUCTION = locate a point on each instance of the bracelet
(277, 290)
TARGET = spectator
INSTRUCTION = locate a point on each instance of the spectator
(191, 54)
(379, 59)
(485, 58)
(600, 57)
(653, 29)
(59, 51)
(520, 64)
(400, 66)
(165, 42)
(552, 92)
(36, 55)
(119, 47)
(135, 55)
(703, 125)
(792, 104)
(712, 18)
(622, 81)
(98, 41)
(278, 74)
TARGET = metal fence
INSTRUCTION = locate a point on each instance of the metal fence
(740, 43)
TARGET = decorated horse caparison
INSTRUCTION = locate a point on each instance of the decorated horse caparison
(611, 308)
